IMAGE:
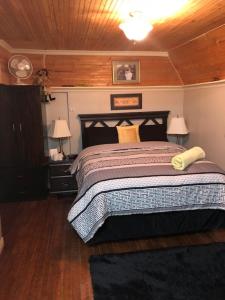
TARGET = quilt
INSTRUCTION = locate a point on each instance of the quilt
(138, 178)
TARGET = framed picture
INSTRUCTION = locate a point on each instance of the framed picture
(126, 71)
(126, 101)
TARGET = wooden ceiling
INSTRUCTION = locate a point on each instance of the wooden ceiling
(93, 25)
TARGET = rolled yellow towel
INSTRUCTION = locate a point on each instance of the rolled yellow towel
(182, 160)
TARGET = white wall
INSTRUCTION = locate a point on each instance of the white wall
(54, 110)
(71, 102)
(203, 105)
(204, 111)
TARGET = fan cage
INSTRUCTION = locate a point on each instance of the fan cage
(12, 70)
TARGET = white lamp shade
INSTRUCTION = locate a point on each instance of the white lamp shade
(60, 129)
(177, 126)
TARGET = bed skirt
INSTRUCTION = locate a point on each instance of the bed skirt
(130, 227)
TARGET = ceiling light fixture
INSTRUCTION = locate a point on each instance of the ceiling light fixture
(136, 26)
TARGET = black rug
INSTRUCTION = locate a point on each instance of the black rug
(184, 273)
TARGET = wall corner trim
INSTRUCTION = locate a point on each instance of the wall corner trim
(110, 88)
(92, 53)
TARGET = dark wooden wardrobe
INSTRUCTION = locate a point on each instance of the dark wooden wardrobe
(22, 160)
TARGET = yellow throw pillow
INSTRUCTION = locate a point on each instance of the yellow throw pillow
(128, 134)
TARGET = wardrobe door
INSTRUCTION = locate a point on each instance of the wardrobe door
(8, 152)
(22, 170)
(30, 130)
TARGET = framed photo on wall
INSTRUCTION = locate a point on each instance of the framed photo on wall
(126, 72)
(126, 101)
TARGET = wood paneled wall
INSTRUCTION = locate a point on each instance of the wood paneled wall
(202, 59)
(73, 70)
(4, 73)
(97, 70)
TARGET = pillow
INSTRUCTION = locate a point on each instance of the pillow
(128, 134)
(99, 135)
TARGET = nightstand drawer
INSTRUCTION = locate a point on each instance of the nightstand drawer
(60, 170)
(60, 179)
(62, 184)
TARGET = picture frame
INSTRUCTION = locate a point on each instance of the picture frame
(126, 72)
(126, 101)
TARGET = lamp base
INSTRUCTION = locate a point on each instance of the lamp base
(61, 148)
(179, 139)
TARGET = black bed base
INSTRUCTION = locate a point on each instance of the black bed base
(130, 227)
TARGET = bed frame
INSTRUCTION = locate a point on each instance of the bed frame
(118, 228)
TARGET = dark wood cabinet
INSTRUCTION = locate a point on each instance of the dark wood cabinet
(22, 162)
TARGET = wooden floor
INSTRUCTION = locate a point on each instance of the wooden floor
(43, 258)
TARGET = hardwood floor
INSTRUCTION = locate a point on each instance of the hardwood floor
(43, 258)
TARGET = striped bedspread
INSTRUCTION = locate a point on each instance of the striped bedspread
(123, 179)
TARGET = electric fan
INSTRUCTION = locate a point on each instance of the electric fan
(20, 67)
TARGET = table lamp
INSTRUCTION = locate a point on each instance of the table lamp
(60, 130)
(177, 127)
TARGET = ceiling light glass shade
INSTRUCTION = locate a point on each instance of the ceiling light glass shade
(136, 27)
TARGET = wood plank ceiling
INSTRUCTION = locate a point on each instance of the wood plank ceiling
(93, 25)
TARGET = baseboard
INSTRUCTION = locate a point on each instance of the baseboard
(1, 244)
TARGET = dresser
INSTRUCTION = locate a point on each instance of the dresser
(60, 179)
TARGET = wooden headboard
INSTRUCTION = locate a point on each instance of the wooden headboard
(153, 126)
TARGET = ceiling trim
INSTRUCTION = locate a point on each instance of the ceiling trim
(138, 88)
(6, 46)
(205, 84)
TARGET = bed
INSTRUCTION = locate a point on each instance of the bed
(145, 197)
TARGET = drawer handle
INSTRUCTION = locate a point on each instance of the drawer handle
(65, 184)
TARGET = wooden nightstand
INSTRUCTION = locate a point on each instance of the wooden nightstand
(61, 181)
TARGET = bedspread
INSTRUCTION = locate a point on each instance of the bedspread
(123, 179)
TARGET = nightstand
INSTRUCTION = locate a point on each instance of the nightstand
(61, 181)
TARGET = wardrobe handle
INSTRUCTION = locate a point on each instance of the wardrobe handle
(20, 127)
(13, 126)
